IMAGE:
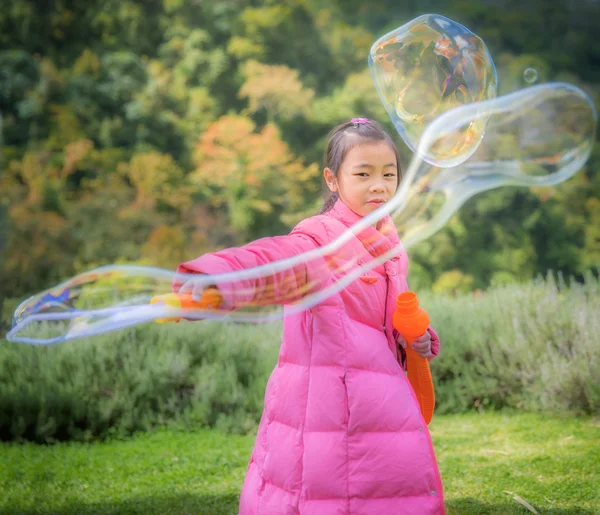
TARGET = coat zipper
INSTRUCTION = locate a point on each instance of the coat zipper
(387, 288)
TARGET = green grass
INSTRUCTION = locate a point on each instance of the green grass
(552, 463)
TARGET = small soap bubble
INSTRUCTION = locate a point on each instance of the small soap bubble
(530, 75)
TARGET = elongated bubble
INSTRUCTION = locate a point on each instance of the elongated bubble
(539, 136)
(536, 137)
(425, 68)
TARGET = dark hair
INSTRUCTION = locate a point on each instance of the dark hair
(344, 138)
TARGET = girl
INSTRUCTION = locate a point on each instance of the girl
(341, 431)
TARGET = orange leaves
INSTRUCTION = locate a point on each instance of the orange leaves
(42, 171)
(250, 172)
(33, 171)
(74, 153)
(231, 150)
(223, 150)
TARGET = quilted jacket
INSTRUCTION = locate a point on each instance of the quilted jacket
(341, 431)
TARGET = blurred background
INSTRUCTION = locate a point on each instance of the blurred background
(151, 132)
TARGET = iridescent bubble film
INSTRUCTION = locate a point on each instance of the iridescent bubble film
(427, 67)
(539, 136)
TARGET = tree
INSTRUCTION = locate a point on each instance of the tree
(286, 33)
(156, 179)
(19, 76)
(356, 97)
(276, 89)
(251, 174)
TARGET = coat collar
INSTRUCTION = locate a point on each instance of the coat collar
(377, 240)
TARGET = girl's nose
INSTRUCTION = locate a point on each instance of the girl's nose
(377, 187)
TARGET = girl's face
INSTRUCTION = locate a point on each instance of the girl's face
(367, 178)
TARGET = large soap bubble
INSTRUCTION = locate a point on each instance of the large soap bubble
(426, 68)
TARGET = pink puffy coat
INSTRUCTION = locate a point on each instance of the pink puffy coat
(341, 432)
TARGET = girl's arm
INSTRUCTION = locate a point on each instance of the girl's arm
(276, 288)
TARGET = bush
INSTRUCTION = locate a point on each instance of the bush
(191, 374)
(533, 347)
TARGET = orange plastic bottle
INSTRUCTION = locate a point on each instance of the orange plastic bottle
(411, 321)
(211, 299)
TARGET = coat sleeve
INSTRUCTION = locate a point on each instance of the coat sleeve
(281, 287)
(435, 342)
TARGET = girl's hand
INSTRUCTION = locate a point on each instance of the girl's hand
(194, 287)
(421, 345)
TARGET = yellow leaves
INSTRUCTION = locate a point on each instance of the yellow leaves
(244, 48)
(41, 169)
(348, 44)
(155, 177)
(46, 233)
(543, 193)
(74, 153)
(201, 104)
(256, 20)
(160, 80)
(593, 206)
(65, 127)
(453, 282)
(357, 96)
(46, 221)
(263, 206)
(277, 89)
(33, 171)
(267, 150)
(50, 75)
(88, 63)
(171, 6)
(166, 246)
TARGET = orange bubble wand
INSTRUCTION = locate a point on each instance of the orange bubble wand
(211, 299)
(411, 321)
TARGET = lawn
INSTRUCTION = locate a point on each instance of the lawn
(490, 464)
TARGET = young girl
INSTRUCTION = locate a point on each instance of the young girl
(341, 431)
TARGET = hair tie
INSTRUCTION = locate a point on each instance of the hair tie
(360, 121)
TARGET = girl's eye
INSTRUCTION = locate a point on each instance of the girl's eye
(390, 175)
(362, 174)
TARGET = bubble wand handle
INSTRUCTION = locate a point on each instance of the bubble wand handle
(211, 299)
(411, 321)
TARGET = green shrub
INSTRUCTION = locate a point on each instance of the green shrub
(534, 347)
(200, 374)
